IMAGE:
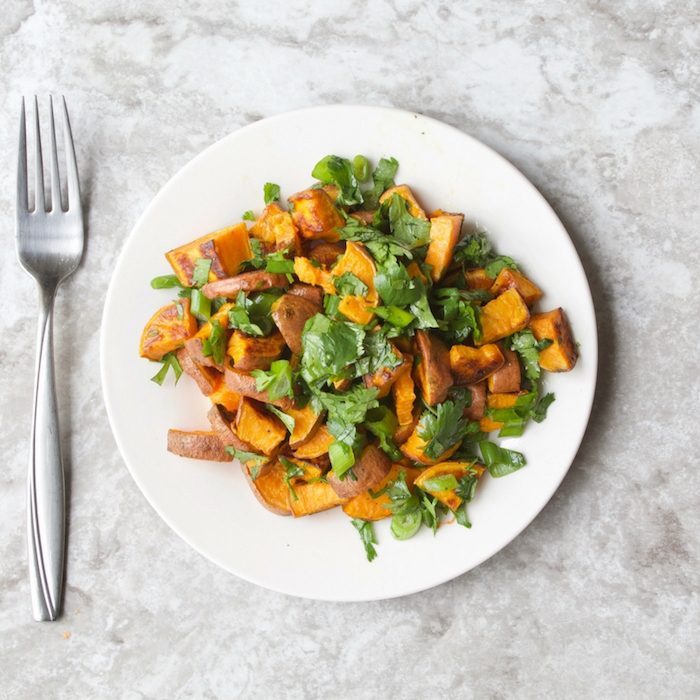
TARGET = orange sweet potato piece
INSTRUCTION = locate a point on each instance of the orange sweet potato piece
(224, 396)
(385, 377)
(243, 383)
(316, 445)
(404, 393)
(276, 230)
(369, 470)
(227, 249)
(447, 497)
(444, 234)
(313, 497)
(503, 316)
(478, 279)
(471, 365)
(259, 428)
(512, 279)
(478, 404)
(307, 272)
(290, 313)
(250, 352)
(206, 378)
(195, 345)
(306, 421)
(562, 354)
(433, 370)
(270, 488)
(488, 425)
(404, 191)
(358, 262)
(197, 444)
(222, 425)
(414, 449)
(167, 330)
(315, 214)
(507, 378)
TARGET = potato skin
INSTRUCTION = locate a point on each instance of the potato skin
(197, 444)
(308, 292)
(255, 281)
(478, 404)
(369, 470)
(223, 428)
(290, 313)
(433, 371)
(327, 253)
(243, 383)
(506, 379)
(206, 378)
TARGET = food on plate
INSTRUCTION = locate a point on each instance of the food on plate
(357, 349)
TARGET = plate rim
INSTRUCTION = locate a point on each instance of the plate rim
(592, 346)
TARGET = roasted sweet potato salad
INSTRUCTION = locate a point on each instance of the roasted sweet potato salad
(357, 350)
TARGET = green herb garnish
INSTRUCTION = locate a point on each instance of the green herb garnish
(271, 192)
(367, 536)
(169, 361)
(276, 382)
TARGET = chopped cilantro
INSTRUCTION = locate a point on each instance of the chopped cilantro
(367, 536)
(500, 461)
(348, 284)
(248, 215)
(334, 170)
(277, 381)
(200, 272)
(169, 361)
(443, 426)
(271, 192)
(383, 179)
(215, 345)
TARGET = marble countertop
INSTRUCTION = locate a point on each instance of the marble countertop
(597, 103)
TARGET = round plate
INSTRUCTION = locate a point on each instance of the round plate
(209, 504)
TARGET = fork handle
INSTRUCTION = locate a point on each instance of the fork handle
(46, 506)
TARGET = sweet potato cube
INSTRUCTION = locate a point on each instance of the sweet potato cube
(365, 507)
(503, 316)
(276, 230)
(260, 429)
(562, 354)
(227, 249)
(195, 345)
(314, 497)
(224, 396)
(414, 449)
(384, 378)
(478, 279)
(167, 330)
(249, 352)
(404, 191)
(307, 272)
(315, 214)
(475, 410)
(512, 279)
(447, 497)
(404, 392)
(306, 421)
(206, 378)
(444, 234)
(471, 365)
(357, 261)
(487, 425)
(270, 488)
(317, 445)
(507, 378)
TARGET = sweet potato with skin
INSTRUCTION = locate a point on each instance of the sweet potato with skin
(475, 411)
(243, 383)
(306, 421)
(512, 279)
(263, 431)
(505, 315)
(433, 370)
(308, 292)
(487, 425)
(315, 214)
(414, 449)
(316, 445)
(404, 191)
(206, 378)
(195, 345)
(507, 378)
(448, 497)
(167, 330)
(255, 281)
(222, 425)
(478, 279)
(270, 488)
(197, 444)
(404, 392)
(290, 314)
(227, 249)
(224, 396)
(385, 377)
(471, 365)
(310, 274)
(365, 507)
(369, 470)
(360, 263)
(251, 352)
(445, 230)
(313, 498)
(326, 253)
(366, 217)
(562, 354)
(276, 230)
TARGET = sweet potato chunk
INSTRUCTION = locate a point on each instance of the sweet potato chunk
(562, 354)
(195, 345)
(206, 378)
(488, 425)
(227, 249)
(197, 444)
(167, 330)
(306, 421)
(308, 292)
(222, 425)
(358, 262)
(307, 272)
(259, 428)
(369, 470)
(471, 365)
(365, 507)
(270, 488)
(276, 230)
(414, 449)
(327, 253)
(507, 378)
(290, 313)
(384, 378)
(313, 498)
(512, 279)
(315, 214)
(444, 234)
(478, 279)
(404, 393)
(316, 445)
(254, 281)
(503, 316)
(404, 191)
(224, 396)
(478, 403)
(250, 352)
(243, 383)
(447, 497)
(433, 370)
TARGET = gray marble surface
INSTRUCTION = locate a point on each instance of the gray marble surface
(597, 102)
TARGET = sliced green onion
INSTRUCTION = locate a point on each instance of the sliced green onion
(342, 458)
(360, 168)
(500, 461)
(200, 306)
(405, 525)
(394, 315)
(446, 482)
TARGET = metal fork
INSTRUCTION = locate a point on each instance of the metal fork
(49, 246)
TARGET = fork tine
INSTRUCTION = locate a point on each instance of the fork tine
(55, 179)
(39, 202)
(73, 185)
(22, 188)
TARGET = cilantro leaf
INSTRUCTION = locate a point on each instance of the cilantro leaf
(165, 282)
(251, 459)
(200, 272)
(382, 179)
(443, 426)
(379, 354)
(277, 381)
(215, 345)
(395, 286)
(291, 471)
(251, 315)
(460, 318)
(381, 422)
(271, 192)
(407, 229)
(349, 284)
(528, 348)
(498, 263)
(347, 410)
(334, 170)
(539, 412)
(248, 215)
(366, 530)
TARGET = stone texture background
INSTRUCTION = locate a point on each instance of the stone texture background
(597, 103)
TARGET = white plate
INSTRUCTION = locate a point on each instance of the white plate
(209, 505)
